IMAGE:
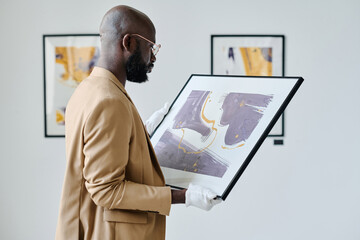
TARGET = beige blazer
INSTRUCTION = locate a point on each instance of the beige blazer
(113, 186)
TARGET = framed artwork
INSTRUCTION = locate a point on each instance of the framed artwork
(250, 55)
(68, 59)
(215, 126)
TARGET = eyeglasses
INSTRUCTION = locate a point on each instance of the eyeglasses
(154, 48)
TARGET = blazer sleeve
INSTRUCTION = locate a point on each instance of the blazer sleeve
(107, 134)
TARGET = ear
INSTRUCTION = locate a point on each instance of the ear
(128, 43)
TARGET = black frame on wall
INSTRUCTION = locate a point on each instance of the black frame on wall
(46, 68)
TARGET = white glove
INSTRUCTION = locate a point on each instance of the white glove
(156, 118)
(200, 197)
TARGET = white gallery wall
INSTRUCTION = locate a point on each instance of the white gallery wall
(306, 189)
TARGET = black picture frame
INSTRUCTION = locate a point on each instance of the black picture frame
(58, 89)
(246, 40)
(173, 174)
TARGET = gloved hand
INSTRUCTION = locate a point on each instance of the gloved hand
(200, 197)
(156, 118)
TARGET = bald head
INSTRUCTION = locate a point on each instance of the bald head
(127, 38)
(121, 20)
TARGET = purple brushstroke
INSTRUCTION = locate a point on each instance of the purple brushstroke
(267, 54)
(231, 54)
(169, 155)
(241, 114)
(189, 115)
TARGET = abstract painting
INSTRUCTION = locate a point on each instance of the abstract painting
(215, 126)
(239, 115)
(249, 55)
(68, 59)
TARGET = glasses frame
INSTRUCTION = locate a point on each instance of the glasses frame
(154, 48)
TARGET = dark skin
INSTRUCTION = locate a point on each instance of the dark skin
(118, 44)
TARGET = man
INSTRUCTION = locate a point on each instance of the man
(114, 187)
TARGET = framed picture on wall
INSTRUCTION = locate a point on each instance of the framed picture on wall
(215, 126)
(250, 55)
(68, 59)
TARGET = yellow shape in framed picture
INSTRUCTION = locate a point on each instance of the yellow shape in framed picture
(257, 61)
(76, 62)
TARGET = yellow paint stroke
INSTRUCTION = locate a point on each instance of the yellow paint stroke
(206, 120)
(60, 118)
(242, 103)
(227, 148)
(71, 58)
(254, 62)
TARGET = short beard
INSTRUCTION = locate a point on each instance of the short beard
(136, 69)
